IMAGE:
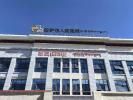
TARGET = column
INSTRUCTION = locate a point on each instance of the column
(70, 66)
(109, 74)
(48, 95)
(91, 75)
(81, 91)
(9, 74)
(70, 63)
(49, 74)
(71, 90)
(129, 80)
(79, 66)
(61, 71)
(60, 86)
(30, 72)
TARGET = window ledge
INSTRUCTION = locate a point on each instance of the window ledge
(119, 74)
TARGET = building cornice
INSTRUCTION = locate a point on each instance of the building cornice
(7, 38)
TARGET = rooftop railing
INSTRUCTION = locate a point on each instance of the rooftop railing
(82, 34)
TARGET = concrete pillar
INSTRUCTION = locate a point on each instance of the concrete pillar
(61, 67)
(70, 62)
(9, 74)
(81, 91)
(30, 72)
(61, 78)
(79, 66)
(49, 73)
(91, 75)
(129, 80)
(60, 86)
(109, 74)
(71, 88)
(97, 95)
(49, 95)
(70, 66)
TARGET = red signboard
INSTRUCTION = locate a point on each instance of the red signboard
(52, 53)
(65, 53)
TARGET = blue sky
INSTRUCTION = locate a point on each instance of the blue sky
(114, 16)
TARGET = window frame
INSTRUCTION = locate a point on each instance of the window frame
(37, 82)
(20, 83)
(21, 69)
(75, 86)
(57, 68)
(85, 87)
(121, 84)
(100, 66)
(66, 89)
(75, 69)
(56, 86)
(5, 65)
(84, 68)
(130, 67)
(2, 82)
(117, 70)
(41, 66)
(102, 85)
(65, 67)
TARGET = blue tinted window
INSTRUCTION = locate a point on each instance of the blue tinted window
(57, 64)
(2, 81)
(66, 86)
(121, 85)
(4, 64)
(99, 66)
(56, 86)
(66, 65)
(85, 87)
(130, 66)
(22, 64)
(102, 85)
(41, 65)
(84, 66)
(18, 84)
(75, 65)
(76, 87)
(38, 84)
(117, 67)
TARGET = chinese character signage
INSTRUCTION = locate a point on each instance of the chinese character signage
(54, 53)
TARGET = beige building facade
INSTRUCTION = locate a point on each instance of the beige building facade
(53, 67)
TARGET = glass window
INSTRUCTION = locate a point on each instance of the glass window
(56, 86)
(84, 66)
(41, 65)
(102, 85)
(57, 64)
(66, 86)
(130, 66)
(2, 81)
(85, 87)
(99, 66)
(117, 67)
(66, 65)
(22, 65)
(75, 66)
(18, 84)
(121, 85)
(76, 87)
(4, 64)
(38, 84)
